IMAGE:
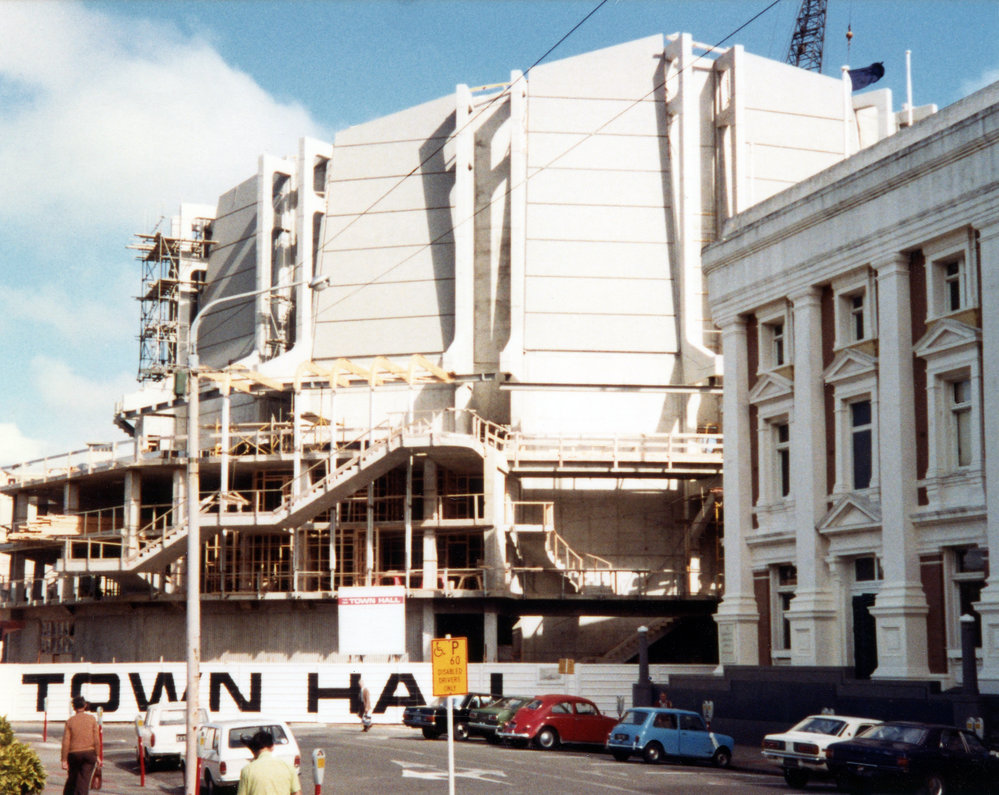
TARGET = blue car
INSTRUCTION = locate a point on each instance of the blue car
(658, 734)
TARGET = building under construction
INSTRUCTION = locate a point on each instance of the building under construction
(506, 399)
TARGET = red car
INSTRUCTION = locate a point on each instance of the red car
(553, 719)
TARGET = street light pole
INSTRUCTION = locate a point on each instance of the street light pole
(194, 523)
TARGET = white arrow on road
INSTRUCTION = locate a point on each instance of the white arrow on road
(419, 770)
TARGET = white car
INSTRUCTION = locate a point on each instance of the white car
(163, 732)
(801, 751)
(223, 752)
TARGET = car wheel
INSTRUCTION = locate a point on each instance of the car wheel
(492, 739)
(150, 762)
(653, 753)
(620, 756)
(461, 731)
(430, 733)
(210, 788)
(722, 757)
(547, 738)
(796, 778)
(934, 785)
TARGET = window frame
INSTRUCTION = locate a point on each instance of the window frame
(956, 248)
(769, 319)
(861, 282)
(853, 376)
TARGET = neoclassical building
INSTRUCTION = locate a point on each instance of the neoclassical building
(859, 314)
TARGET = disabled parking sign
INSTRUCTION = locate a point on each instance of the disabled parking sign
(449, 663)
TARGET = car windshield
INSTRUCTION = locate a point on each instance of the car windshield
(507, 703)
(174, 717)
(897, 734)
(821, 725)
(635, 717)
(237, 737)
(535, 704)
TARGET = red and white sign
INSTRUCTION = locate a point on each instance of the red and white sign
(372, 620)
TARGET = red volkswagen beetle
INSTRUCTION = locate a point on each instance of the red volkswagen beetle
(553, 719)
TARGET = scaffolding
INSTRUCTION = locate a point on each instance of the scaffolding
(171, 268)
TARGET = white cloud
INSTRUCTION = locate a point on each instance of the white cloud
(986, 78)
(60, 389)
(77, 320)
(16, 447)
(109, 115)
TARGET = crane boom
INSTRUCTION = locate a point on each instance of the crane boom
(809, 36)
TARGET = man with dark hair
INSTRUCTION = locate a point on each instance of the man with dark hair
(80, 741)
(266, 774)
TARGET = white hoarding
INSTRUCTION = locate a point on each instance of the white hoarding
(372, 620)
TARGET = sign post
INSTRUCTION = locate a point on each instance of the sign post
(449, 666)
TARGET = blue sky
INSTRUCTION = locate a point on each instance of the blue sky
(112, 113)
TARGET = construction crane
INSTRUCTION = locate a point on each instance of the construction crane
(809, 35)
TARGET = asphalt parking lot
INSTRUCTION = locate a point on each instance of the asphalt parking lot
(393, 758)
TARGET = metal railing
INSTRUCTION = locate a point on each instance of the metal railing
(617, 449)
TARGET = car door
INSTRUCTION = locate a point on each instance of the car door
(591, 727)
(563, 718)
(694, 738)
(665, 731)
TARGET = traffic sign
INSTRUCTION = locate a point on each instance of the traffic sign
(449, 659)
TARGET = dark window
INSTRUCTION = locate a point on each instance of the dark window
(860, 426)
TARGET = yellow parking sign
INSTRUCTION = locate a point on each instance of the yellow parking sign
(449, 658)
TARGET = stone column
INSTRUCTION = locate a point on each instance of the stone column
(900, 609)
(490, 636)
(494, 470)
(737, 615)
(813, 611)
(988, 606)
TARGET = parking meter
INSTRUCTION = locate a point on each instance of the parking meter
(318, 768)
(708, 711)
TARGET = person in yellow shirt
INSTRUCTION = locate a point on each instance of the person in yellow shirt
(266, 774)
(80, 741)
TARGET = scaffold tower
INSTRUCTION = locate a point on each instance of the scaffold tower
(172, 273)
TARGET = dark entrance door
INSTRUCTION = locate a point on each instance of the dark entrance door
(865, 636)
(464, 625)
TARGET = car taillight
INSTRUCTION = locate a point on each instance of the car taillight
(773, 745)
(806, 748)
(152, 740)
(903, 762)
(829, 752)
(222, 768)
(298, 761)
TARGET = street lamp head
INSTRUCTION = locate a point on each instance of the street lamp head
(319, 283)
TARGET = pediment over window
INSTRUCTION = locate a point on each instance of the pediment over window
(850, 364)
(770, 387)
(947, 336)
(851, 513)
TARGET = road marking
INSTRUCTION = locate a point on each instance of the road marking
(434, 773)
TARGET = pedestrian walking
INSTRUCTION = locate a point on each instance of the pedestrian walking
(266, 774)
(364, 706)
(80, 741)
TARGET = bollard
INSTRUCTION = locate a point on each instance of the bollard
(318, 768)
(142, 764)
(45, 721)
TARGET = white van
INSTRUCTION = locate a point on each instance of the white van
(223, 752)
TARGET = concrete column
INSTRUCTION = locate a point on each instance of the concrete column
(459, 355)
(813, 611)
(512, 355)
(429, 531)
(900, 609)
(490, 636)
(988, 606)
(428, 629)
(737, 615)
(133, 505)
(70, 497)
(494, 508)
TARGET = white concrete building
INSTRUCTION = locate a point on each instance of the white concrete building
(858, 317)
(505, 401)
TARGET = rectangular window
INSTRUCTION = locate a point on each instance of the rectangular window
(787, 580)
(868, 569)
(857, 317)
(777, 341)
(782, 446)
(952, 278)
(861, 438)
(960, 409)
(969, 579)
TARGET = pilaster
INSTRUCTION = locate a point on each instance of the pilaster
(737, 615)
(429, 532)
(812, 614)
(988, 605)
(900, 608)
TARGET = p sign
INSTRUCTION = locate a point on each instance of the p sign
(449, 663)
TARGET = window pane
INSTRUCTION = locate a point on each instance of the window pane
(860, 413)
(861, 459)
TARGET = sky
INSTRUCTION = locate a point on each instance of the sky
(113, 113)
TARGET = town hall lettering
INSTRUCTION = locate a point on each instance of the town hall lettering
(164, 689)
